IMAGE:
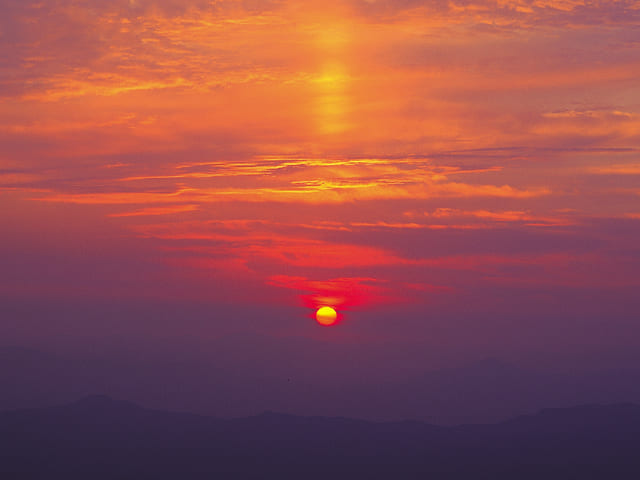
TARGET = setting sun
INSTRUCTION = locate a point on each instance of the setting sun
(326, 316)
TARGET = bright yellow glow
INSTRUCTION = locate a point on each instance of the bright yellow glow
(333, 100)
(326, 316)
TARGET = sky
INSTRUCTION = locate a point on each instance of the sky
(458, 179)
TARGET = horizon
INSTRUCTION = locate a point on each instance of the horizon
(127, 441)
(101, 400)
(485, 391)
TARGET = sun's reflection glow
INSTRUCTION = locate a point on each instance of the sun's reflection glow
(333, 80)
(332, 104)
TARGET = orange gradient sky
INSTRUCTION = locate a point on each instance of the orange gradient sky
(425, 156)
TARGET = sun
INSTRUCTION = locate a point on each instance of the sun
(326, 316)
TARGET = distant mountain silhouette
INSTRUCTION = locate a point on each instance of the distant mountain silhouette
(486, 391)
(101, 438)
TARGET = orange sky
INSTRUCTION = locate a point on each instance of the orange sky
(355, 152)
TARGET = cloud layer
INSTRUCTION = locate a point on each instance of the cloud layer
(361, 152)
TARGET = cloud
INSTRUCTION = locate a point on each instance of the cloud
(519, 13)
(417, 143)
(169, 210)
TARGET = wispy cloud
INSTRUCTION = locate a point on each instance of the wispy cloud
(375, 146)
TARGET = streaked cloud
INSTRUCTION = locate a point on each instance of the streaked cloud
(397, 150)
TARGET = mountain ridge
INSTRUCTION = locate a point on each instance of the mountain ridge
(487, 391)
(102, 438)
